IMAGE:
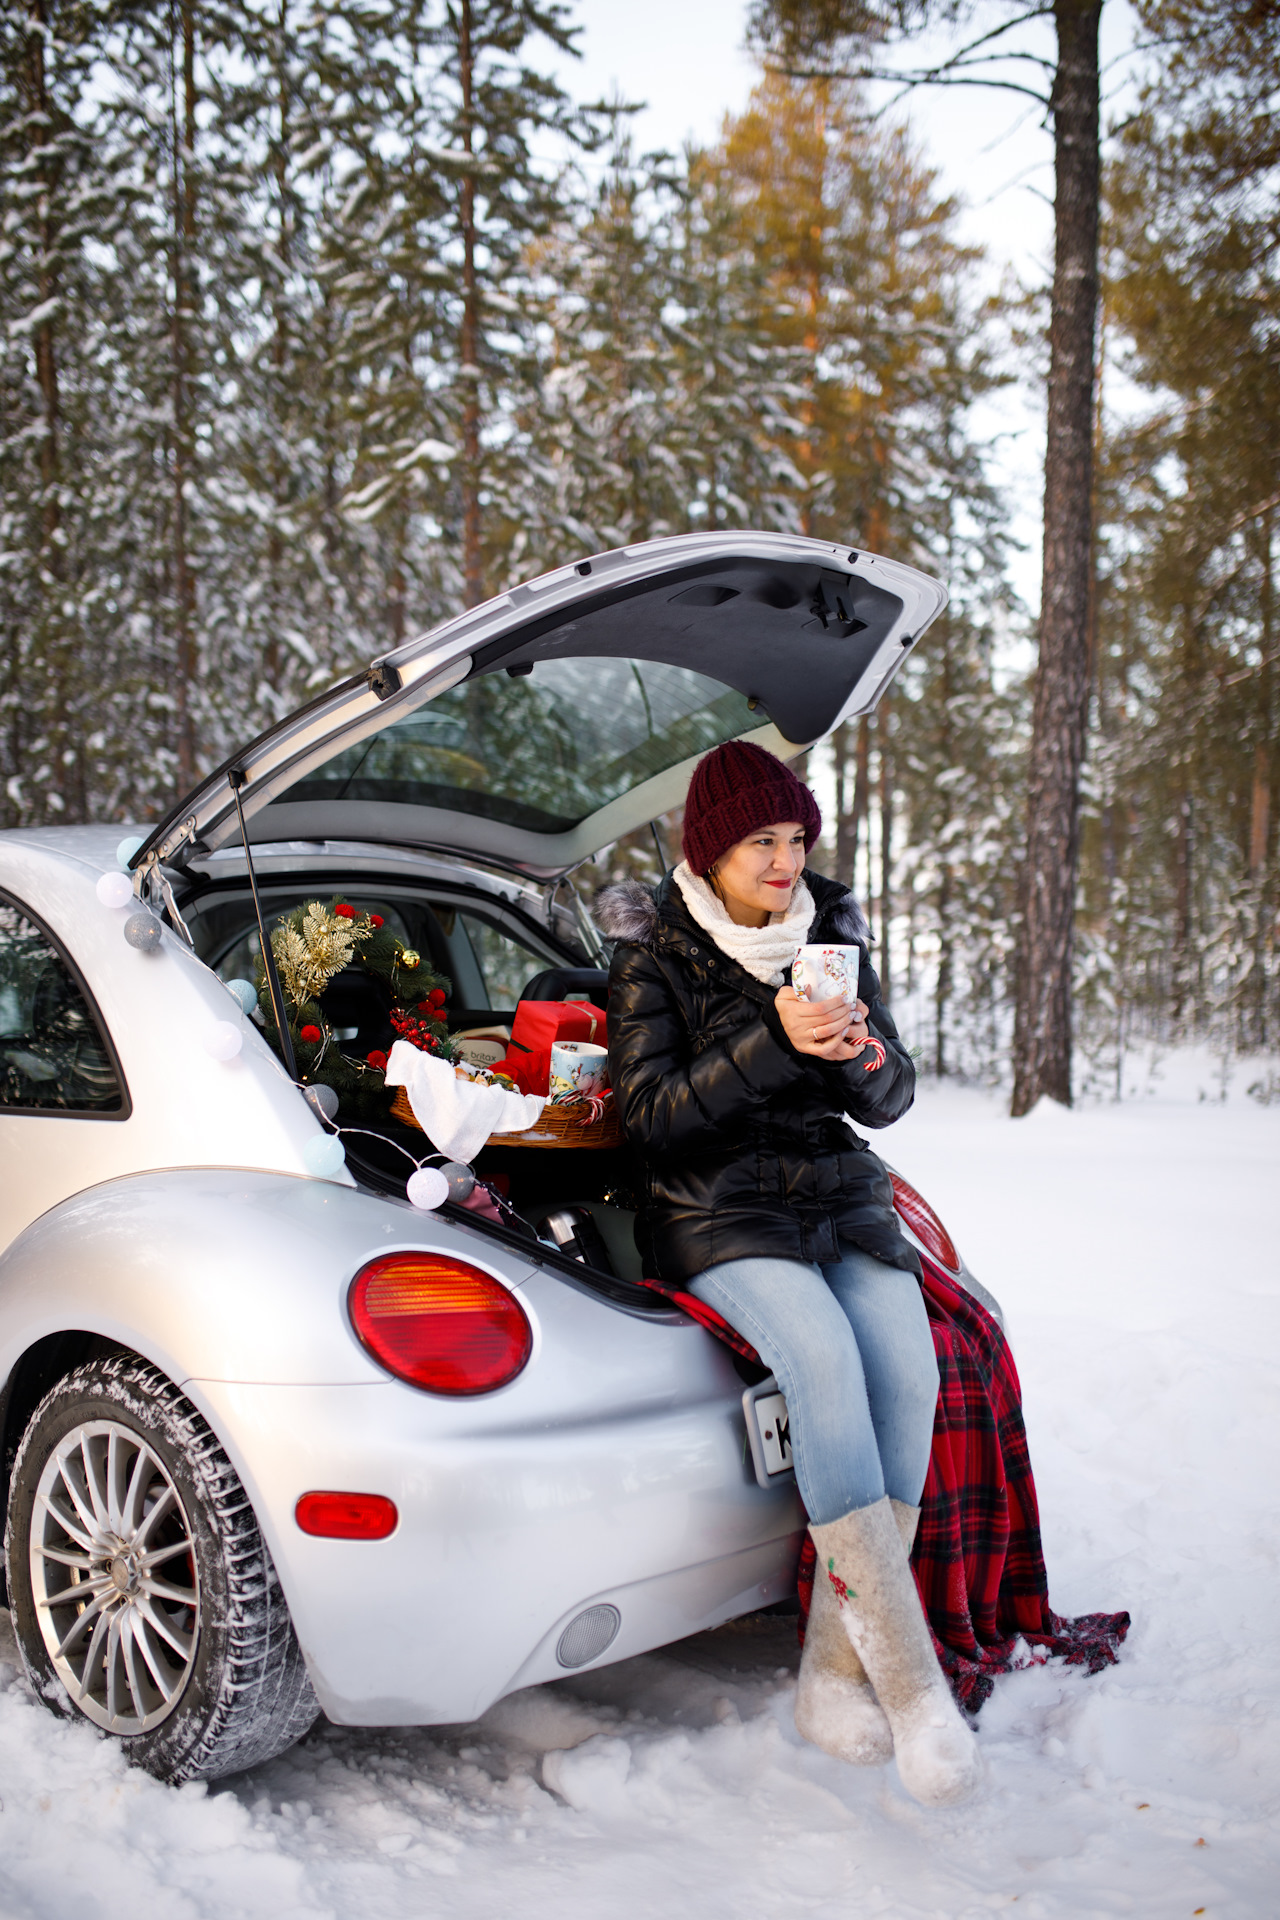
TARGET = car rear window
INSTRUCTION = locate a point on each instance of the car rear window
(541, 750)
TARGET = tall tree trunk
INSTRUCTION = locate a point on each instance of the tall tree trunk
(57, 642)
(884, 743)
(1260, 812)
(183, 250)
(40, 148)
(1260, 809)
(946, 968)
(946, 944)
(846, 851)
(862, 809)
(472, 554)
(844, 862)
(1042, 1023)
(271, 656)
(1184, 901)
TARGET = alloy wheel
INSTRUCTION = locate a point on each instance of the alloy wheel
(114, 1577)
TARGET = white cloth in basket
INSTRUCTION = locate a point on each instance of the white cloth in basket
(457, 1116)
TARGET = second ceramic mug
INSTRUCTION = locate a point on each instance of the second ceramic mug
(579, 1066)
(826, 973)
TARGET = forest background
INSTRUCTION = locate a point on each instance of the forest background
(319, 322)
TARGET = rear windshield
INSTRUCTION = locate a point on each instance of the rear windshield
(541, 750)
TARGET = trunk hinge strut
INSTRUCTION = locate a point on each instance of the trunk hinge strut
(152, 879)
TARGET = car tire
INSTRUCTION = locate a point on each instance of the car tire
(182, 1646)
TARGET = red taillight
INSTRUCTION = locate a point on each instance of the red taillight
(924, 1223)
(439, 1323)
(347, 1516)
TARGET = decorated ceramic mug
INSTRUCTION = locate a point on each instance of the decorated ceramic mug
(578, 1066)
(826, 973)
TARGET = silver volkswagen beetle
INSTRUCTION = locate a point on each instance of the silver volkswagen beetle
(277, 1444)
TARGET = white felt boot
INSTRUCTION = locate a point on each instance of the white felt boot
(835, 1706)
(862, 1556)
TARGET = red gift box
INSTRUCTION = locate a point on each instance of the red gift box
(538, 1023)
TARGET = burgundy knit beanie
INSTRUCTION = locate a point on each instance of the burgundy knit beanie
(735, 790)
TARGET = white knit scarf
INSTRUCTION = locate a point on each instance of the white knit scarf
(763, 951)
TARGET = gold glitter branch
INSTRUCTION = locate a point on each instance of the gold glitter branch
(309, 958)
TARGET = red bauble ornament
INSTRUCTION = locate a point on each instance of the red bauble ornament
(312, 1036)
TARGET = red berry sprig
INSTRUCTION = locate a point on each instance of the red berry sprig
(419, 1029)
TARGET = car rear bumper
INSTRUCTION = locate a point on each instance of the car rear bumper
(505, 1537)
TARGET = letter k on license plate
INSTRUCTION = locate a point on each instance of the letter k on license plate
(768, 1432)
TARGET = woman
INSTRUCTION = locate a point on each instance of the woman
(761, 1201)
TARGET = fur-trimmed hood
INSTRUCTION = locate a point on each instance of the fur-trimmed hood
(629, 912)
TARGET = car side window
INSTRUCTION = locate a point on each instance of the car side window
(53, 1054)
(505, 964)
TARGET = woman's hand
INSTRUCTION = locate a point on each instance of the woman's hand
(829, 1029)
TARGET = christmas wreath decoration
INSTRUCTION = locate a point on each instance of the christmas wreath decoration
(311, 947)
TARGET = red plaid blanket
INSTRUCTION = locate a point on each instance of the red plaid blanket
(977, 1559)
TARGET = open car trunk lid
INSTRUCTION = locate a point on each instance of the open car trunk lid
(545, 724)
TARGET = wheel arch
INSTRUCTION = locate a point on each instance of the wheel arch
(45, 1362)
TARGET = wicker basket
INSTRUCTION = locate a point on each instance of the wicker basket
(554, 1127)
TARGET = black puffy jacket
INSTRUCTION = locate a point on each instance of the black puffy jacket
(744, 1141)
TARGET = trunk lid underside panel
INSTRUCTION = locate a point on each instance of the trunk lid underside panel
(544, 725)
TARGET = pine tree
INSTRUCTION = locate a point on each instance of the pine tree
(445, 210)
(866, 289)
(822, 37)
(60, 197)
(606, 441)
(663, 408)
(1181, 864)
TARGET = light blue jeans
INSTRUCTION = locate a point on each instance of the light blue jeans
(851, 1349)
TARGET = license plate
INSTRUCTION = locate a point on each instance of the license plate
(768, 1431)
(775, 1433)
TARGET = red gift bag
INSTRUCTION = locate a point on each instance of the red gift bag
(540, 1022)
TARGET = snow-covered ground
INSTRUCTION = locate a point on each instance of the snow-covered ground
(1135, 1250)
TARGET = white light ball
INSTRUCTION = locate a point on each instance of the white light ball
(321, 1099)
(324, 1155)
(114, 890)
(462, 1182)
(245, 992)
(142, 930)
(223, 1040)
(427, 1189)
(127, 848)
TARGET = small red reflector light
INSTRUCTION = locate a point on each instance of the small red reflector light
(438, 1323)
(924, 1223)
(347, 1516)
